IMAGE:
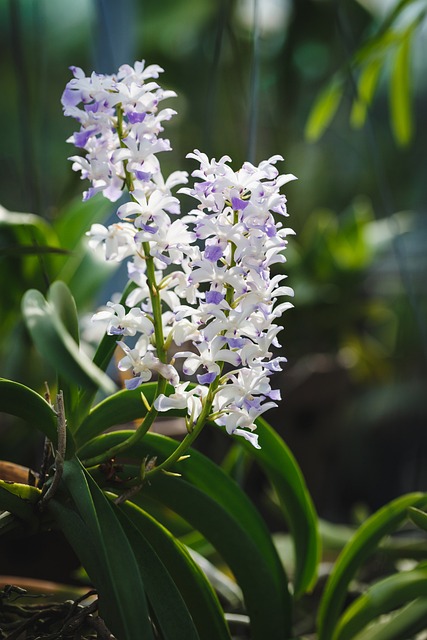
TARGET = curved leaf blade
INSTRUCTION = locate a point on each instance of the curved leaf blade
(384, 596)
(55, 344)
(172, 616)
(60, 297)
(324, 109)
(400, 94)
(418, 517)
(120, 408)
(196, 591)
(22, 402)
(368, 81)
(363, 543)
(281, 468)
(402, 624)
(19, 499)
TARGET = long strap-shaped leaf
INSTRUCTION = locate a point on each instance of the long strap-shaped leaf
(364, 542)
(98, 538)
(197, 592)
(216, 506)
(285, 475)
(172, 616)
(402, 624)
(56, 345)
(120, 408)
(60, 297)
(19, 499)
(384, 596)
(22, 402)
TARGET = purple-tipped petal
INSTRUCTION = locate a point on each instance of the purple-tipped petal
(206, 378)
(133, 383)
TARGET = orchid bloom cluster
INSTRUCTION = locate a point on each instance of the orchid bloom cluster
(120, 124)
(203, 304)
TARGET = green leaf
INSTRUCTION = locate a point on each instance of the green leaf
(418, 517)
(122, 407)
(264, 590)
(58, 347)
(30, 250)
(324, 109)
(196, 591)
(63, 302)
(285, 475)
(400, 93)
(367, 84)
(12, 527)
(19, 499)
(214, 504)
(83, 272)
(22, 402)
(170, 612)
(364, 542)
(30, 221)
(399, 625)
(77, 218)
(98, 538)
(383, 597)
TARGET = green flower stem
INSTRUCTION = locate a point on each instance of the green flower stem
(202, 419)
(136, 436)
(186, 443)
(156, 305)
(121, 134)
(153, 286)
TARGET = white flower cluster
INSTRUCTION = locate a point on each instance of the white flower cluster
(210, 271)
(120, 124)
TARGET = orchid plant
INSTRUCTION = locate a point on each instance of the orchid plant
(196, 328)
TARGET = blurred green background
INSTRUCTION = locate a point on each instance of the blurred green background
(339, 89)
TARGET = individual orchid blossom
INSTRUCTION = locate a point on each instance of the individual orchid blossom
(126, 324)
(143, 366)
(117, 240)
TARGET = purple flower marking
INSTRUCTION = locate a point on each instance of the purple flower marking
(70, 97)
(206, 378)
(238, 204)
(149, 229)
(236, 343)
(80, 138)
(142, 175)
(115, 331)
(213, 252)
(133, 383)
(274, 394)
(214, 297)
(253, 403)
(135, 116)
